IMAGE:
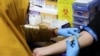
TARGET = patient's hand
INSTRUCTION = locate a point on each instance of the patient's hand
(38, 52)
(43, 51)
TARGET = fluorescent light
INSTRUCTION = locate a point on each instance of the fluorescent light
(83, 1)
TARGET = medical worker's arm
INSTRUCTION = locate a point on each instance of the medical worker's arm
(84, 40)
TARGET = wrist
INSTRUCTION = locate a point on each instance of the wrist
(53, 32)
(56, 31)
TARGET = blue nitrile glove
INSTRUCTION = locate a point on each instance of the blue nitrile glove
(66, 32)
(72, 47)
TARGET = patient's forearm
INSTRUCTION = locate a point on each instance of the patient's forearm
(84, 40)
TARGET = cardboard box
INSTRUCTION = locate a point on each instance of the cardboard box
(37, 33)
(51, 4)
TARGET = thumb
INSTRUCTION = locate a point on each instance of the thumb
(77, 35)
(76, 29)
(74, 32)
(76, 41)
(59, 31)
(68, 43)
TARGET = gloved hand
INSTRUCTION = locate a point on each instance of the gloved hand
(72, 47)
(66, 32)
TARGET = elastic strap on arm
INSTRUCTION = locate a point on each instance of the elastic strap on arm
(89, 30)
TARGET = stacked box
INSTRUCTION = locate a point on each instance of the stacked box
(84, 11)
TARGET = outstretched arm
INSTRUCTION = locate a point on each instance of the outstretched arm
(84, 40)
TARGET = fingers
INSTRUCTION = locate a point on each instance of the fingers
(36, 52)
(76, 41)
(75, 31)
(68, 43)
(60, 30)
(33, 54)
(69, 34)
(68, 31)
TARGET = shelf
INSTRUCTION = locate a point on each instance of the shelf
(44, 10)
